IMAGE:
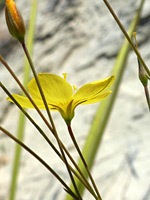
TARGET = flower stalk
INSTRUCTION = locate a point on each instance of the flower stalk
(83, 160)
(38, 83)
(50, 117)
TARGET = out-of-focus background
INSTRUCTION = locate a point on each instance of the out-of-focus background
(82, 39)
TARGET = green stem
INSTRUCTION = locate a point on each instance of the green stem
(50, 117)
(126, 34)
(37, 81)
(40, 160)
(79, 170)
(83, 160)
(30, 39)
(147, 97)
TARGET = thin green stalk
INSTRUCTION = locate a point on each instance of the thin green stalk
(81, 173)
(40, 160)
(22, 119)
(147, 97)
(83, 160)
(49, 115)
(30, 39)
(103, 113)
(126, 34)
(37, 81)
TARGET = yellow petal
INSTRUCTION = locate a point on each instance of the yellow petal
(13, 11)
(92, 90)
(96, 98)
(25, 103)
(57, 91)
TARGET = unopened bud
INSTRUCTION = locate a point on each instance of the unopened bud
(142, 75)
(14, 21)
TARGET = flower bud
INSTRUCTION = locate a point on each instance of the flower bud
(142, 75)
(14, 21)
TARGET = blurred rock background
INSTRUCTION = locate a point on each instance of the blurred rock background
(82, 39)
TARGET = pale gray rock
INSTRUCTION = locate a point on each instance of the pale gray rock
(82, 39)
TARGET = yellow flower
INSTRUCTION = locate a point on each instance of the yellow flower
(14, 21)
(61, 96)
